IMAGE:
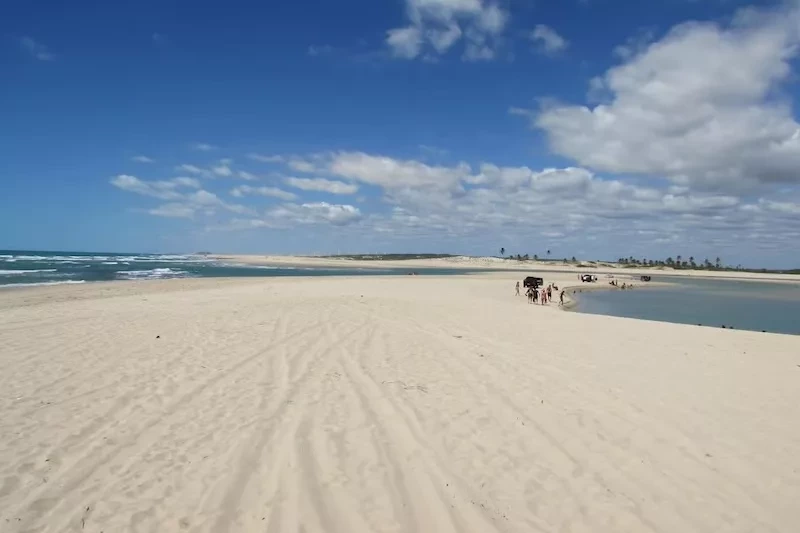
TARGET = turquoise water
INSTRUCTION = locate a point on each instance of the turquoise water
(28, 268)
(756, 306)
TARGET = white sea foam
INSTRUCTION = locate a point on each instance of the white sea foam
(67, 282)
(155, 273)
(20, 272)
(110, 263)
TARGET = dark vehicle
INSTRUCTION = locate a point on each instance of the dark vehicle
(588, 278)
(645, 278)
(532, 282)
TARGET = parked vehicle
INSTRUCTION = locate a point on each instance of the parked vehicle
(645, 278)
(532, 282)
(588, 278)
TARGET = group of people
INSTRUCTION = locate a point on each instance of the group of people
(541, 295)
(624, 286)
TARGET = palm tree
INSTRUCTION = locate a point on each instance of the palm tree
(718, 261)
(574, 260)
(548, 254)
(535, 257)
(691, 261)
(503, 252)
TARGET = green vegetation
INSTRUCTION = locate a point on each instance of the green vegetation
(679, 264)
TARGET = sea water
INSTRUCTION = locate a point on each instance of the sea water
(27, 268)
(751, 305)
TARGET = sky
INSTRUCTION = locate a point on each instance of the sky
(591, 128)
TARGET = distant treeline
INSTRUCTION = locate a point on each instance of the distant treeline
(680, 264)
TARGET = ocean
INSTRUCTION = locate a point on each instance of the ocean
(31, 268)
(750, 305)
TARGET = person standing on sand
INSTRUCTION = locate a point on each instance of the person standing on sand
(561, 298)
(518, 288)
(550, 292)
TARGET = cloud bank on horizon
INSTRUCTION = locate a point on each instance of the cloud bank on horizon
(681, 140)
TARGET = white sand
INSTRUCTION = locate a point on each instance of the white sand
(413, 404)
(554, 267)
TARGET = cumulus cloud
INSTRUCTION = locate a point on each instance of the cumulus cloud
(193, 169)
(182, 204)
(247, 176)
(700, 106)
(322, 185)
(394, 173)
(142, 159)
(462, 203)
(548, 40)
(315, 213)
(405, 43)
(223, 170)
(273, 192)
(36, 49)
(435, 26)
(164, 190)
(186, 182)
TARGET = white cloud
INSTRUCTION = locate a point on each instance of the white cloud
(301, 165)
(186, 182)
(204, 198)
(163, 190)
(173, 210)
(405, 43)
(36, 49)
(677, 109)
(203, 147)
(459, 203)
(142, 159)
(181, 203)
(548, 40)
(437, 25)
(247, 176)
(322, 185)
(316, 213)
(273, 192)
(222, 170)
(192, 169)
(267, 158)
(393, 173)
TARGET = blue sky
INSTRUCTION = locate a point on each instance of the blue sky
(594, 128)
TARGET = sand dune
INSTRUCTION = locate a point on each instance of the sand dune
(411, 404)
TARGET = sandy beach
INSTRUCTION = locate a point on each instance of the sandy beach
(553, 268)
(384, 404)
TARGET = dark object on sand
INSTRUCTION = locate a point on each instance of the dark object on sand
(158, 336)
(532, 282)
(588, 278)
(645, 278)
